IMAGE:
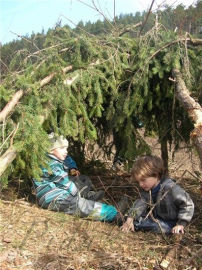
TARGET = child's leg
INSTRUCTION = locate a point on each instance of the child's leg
(85, 187)
(83, 184)
(157, 227)
(75, 205)
(96, 210)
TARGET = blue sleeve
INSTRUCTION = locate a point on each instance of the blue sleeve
(60, 178)
(70, 163)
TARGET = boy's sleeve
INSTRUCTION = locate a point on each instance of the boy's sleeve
(185, 205)
(70, 163)
(138, 209)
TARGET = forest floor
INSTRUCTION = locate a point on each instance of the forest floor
(35, 239)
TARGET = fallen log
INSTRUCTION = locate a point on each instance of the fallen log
(7, 158)
(193, 109)
(11, 105)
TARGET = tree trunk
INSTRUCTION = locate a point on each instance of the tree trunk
(193, 109)
(164, 153)
(162, 134)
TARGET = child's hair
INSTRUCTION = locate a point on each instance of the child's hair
(148, 166)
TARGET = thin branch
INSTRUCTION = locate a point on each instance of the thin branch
(130, 29)
(94, 7)
(77, 25)
(144, 23)
(13, 132)
(26, 40)
(44, 49)
(114, 11)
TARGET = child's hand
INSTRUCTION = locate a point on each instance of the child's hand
(178, 229)
(74, 172)
(128, 225)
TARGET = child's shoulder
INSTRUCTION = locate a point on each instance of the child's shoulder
(168, 183)
(171, 184)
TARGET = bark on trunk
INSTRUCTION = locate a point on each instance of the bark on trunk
(193, 109)
(7, 158)
(10, 105)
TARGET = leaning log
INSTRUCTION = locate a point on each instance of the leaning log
(10, 105)
(17, 96)
(7, 158)
(193, 109)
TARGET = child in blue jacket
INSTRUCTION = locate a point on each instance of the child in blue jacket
(57, 192)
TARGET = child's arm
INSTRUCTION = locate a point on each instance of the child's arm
(185, 208)
(136, 211)
(72, 166)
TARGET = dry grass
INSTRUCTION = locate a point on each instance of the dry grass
(37, 239)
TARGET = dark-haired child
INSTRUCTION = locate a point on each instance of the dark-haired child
(163, 205)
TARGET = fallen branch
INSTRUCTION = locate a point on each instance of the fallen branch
(130, 29)
(17, 96)
(193, 109)
(11, 153)
(10, 105)
(7, 158)
(172, 252)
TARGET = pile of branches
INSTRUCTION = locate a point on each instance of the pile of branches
(87, 87)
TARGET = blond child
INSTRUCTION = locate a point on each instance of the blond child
(57, 192)
(163, 205)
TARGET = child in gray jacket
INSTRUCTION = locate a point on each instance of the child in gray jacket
(163, 205)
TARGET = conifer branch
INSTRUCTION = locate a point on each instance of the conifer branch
(12, 135)
(17, 96)
(25, 39)
(44, 49)
(130, 29)
(189, 40)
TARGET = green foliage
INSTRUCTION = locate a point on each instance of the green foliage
(118, 79)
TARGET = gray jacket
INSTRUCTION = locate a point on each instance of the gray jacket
(173, 204)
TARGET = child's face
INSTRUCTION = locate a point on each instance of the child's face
(148, 183)
(60, 153)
